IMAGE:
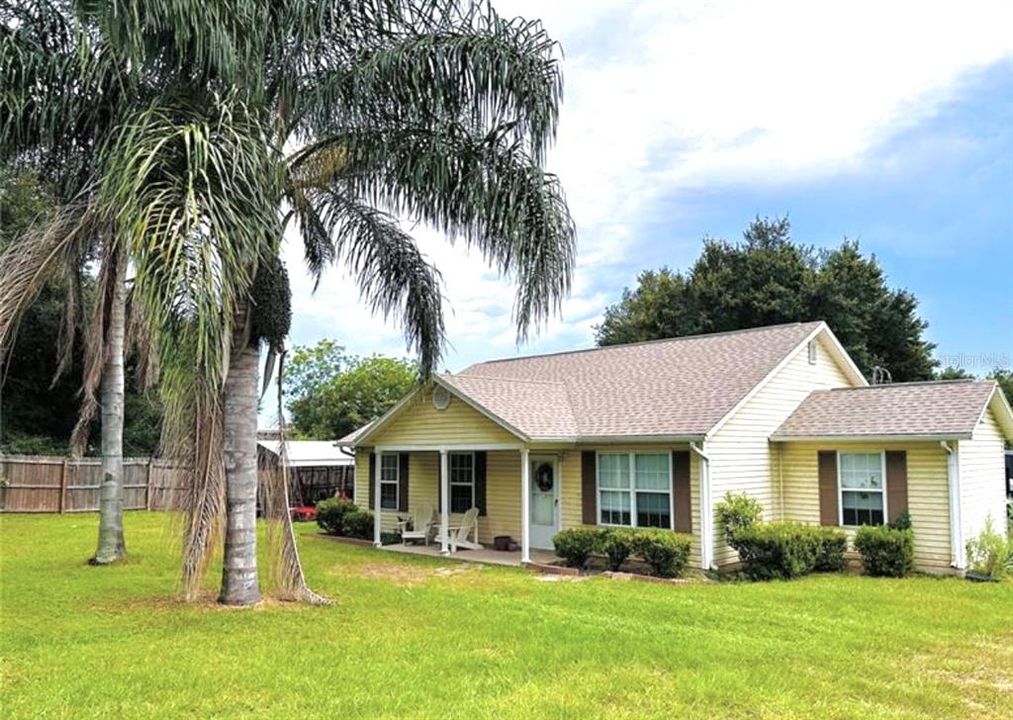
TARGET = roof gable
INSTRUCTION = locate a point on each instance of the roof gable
(678, 388)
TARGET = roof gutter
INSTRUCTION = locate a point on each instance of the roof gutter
(924, 437)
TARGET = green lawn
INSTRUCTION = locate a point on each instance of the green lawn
(416, 637)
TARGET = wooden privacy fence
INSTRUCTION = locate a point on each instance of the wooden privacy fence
(57, 485)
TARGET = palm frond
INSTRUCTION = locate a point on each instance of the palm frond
(43, 251)
(483, 188)
(393, 276)
(476, 68)
(195, 197)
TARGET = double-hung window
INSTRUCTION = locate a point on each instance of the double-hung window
(635, 489)
(462, 482)
(390, 481)
(863, 488)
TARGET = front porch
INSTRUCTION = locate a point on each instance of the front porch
(486, 556)
(515, 492)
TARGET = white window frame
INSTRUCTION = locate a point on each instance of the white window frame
(841, 489)
(632, 489)
(812, 352)
(451, 483)
(396, 482)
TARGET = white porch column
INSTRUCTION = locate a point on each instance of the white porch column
(444, 503)
(525, 506)
(377, 520)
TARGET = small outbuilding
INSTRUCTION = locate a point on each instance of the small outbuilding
(319, 469)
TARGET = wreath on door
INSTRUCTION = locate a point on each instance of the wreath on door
(543, 477)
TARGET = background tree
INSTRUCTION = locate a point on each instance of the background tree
(330, 394)
(953, 373)
(768, 279)
(39, 401)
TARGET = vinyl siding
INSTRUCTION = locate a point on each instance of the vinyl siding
(740, 452)
(419, 423)
(502, 493)
(503, 488)
(928, 491)
(572, 496)
(982, 478)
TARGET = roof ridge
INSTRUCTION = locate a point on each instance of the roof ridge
(658, 341)
(947, 381)
(502, 378)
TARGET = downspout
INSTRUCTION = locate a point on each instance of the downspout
(780, 475)
(956, 527)
(706, 510)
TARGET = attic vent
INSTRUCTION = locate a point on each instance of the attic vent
(812, 352)
(441, 398)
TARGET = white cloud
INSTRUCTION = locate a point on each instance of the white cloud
(665, 96)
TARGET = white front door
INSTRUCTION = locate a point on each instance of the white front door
(544, 501)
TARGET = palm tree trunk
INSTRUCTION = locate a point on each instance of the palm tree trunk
(239, 571)
(111, 546)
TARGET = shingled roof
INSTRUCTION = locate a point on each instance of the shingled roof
(675, 388)
(945, 409)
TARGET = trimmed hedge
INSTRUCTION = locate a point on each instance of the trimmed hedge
(618, 545)
(833, 545)
(665, 551)
(886, 551)
(331, 514)
(339, 516)
(783, 550)
(359, 524)
(576, 545)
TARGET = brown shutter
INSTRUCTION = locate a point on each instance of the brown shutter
(480, 462)
(896, 482)
(402, 476)
(681, 491)
(371, 480)
(827, 463)
(589, 487)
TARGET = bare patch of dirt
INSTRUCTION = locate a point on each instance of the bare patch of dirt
(206, 602)
(412, 575)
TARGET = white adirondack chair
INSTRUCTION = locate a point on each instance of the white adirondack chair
(423, 527)
(458, 534)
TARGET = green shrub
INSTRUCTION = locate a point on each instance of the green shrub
(833, 543)
(665, 551)
(331, 514)
(736, 512)
(618, 545)
(886, 551)
(358, 524)
(903, 521)
(576, 545)
(990, 553)
(779, 550)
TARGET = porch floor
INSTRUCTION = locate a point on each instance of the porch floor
(486, 556)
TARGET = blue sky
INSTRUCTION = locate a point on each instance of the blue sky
(887, 123)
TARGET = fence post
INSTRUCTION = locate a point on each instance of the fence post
(63, 485)
(147, 486)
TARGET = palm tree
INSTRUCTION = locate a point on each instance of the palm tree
(437, 111)
(432, 110)
(54, 125)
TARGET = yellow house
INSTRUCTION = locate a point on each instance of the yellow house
(653, 435)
